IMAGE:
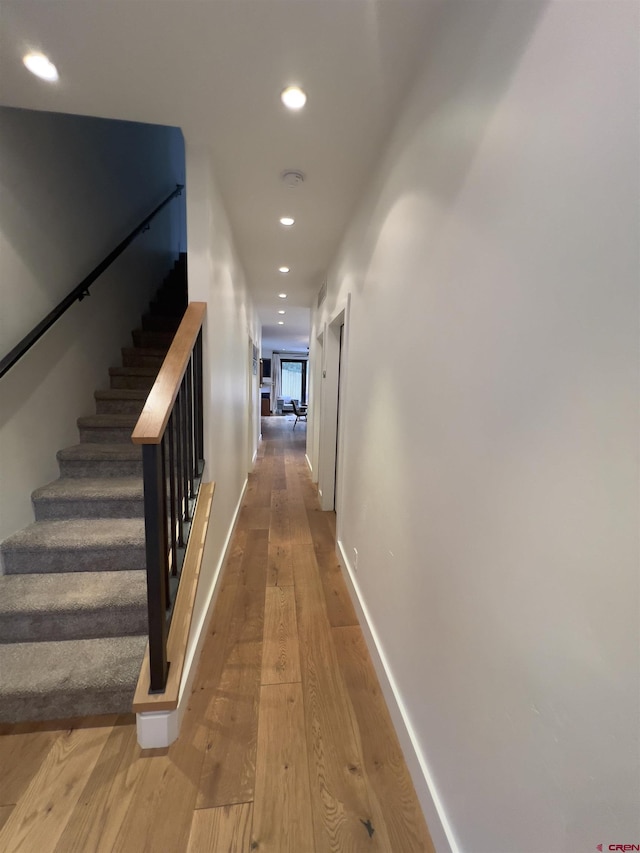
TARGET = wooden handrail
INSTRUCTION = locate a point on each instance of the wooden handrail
(157, 410)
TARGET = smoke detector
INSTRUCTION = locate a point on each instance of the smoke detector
(292, 178)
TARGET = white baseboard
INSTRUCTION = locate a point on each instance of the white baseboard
(435, 816)
(309, 463)
(160, 728)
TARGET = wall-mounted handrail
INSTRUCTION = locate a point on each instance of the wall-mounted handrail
(170, 430)
(81, 290)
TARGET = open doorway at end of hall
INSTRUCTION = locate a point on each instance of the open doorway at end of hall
(294, 379)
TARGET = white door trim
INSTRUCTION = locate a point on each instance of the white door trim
(331, 369)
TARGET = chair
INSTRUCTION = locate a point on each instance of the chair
(299, 411)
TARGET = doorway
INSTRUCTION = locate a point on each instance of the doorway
(330, 451)
(293, 373)
(336, 478)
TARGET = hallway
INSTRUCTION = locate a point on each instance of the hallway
(287, 744)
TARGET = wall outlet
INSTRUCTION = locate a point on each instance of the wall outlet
(355, 559)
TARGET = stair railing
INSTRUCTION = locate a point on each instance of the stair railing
(170, 430)
(80, 290)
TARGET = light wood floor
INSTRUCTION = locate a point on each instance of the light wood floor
(287, 744)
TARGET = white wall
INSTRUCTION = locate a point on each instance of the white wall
(490, 467)
(70, 189)
(231, 394)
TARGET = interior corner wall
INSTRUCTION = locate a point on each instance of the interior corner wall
(71, 188)
(490, 465)
(231, 389)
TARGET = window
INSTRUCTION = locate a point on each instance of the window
(294, 379)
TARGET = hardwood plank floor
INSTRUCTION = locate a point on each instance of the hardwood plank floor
(282, 814)
(286, 745)
(43, 811)
(226, 829)
(23, 748)
(5, 813)
(385, 766)
(280, 655)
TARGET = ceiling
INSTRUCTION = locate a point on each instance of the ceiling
(216, 68)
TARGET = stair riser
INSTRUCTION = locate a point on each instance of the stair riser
(73, 625)
(47, 510)
(43, 561)
(137, 357)
(169, 307)
(64, 705)
(160, 323)
(157, 340)
(134, 382)
(100, 468)
(119, 407)
(105, 435)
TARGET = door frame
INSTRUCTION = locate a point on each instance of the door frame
(304, 391)
(331, 434)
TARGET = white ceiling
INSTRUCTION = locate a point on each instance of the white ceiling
(216, 68)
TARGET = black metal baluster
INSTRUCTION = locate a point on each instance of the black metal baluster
(190, 441)
(185, 459)
(197, 360)
(164, 521)
(156, 552)
(172, 494)
(179, 463)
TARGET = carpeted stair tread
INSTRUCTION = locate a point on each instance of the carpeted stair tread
(77, 532)
(76, 545)
(121, 394)
(70, 678)
(157, 322)
(143, 356)
(100, 459)
(117, 452)
(80, 605)
(117, 420)
(133, 371)
(107, 429)
(133, 377)
(89, 497)
(155, 340)
(123, 488)
(121, 401)
(157, 352)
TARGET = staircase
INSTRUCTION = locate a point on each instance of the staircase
(73, 608)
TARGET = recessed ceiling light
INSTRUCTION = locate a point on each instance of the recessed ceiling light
(282, 312)
(287, 220)
(41, 66)
(281, 322)
(293, 97)
(282, 295)
(283, 269)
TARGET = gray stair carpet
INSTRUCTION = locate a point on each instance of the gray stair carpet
(76, 545)
(89, 497)
(120, 401)
(69, 678)
(101, 460)
(73, 609)
(74, 606)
